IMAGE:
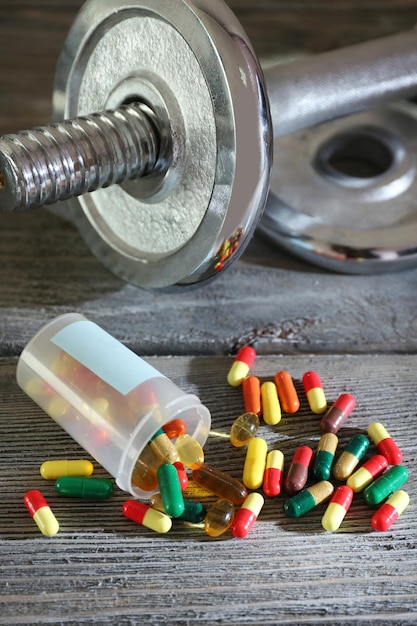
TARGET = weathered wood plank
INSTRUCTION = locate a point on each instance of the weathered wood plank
(101, 569)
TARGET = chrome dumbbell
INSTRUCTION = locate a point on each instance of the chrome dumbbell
(179, 159)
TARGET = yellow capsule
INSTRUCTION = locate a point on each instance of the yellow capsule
(35, 387)
(255, 462)
(270, 404)
(189, 451)
(53, 469)
(57, 407)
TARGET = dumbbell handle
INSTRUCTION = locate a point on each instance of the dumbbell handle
(318, 88)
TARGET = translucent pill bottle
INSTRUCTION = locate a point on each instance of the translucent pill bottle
(106, 397)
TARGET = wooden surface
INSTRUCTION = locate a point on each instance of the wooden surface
(359, 333)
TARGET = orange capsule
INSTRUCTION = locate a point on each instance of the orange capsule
(251, 388)
(287, 393)
(174, 428)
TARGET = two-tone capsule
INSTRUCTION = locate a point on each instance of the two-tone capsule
(251, 390)
(367, 473)
(385, 443)
(194, 512)
(219, 483)
(255, 461)
(170, 490)
(297, 475)
(163, 447)
(385, 485)
(350, 457)
(41, 513)
(326, 450)
(307, 499)
(182, 474)
(390, 511)
(337, 508)
(274, 473)
(219, 517)
(81, 487)
(338, 413)
(243, 429)
(247, 515)
(53, 469)
(146, 516)
(287, 393)
(315, 393)
(242, 363)
(271, 409)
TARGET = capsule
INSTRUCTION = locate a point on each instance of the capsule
(194, 512)
(247, 515)
(146, 516)
(80, 487)
(243, 429)
(338, 413)
(274, 472)
(367, 473)
(337, 508)
(174, 428)
(144, 476)
(385, 443)
(297, 474)
(170, 490)
(219, 517)
(308, 499)
(41, 513)
(271, 409)
(287, 393)
(255, 461)
(314, 392)
(386, 515)
(251, 388)
(244, 360)
(163, 447)
(219, 483)
(190, 452)
(385, 485)
(51, 470)
(323, 461)
(182, 474)
(350, 457)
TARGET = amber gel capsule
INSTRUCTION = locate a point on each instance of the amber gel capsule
(326, 450)
(338, 413)
(51, 470)
(385, 443)
(271, 409)
(297, 474)
(247, 515)
(386, 515)
(368, 472)
(314, 392)
(243, 429)
(79, 487)
(251, 389)
(308, 499)
(190, 452)
(386, 484)
(255, 461)
(287, 393)
(337, 508)
(219, 483)
(244, 360)
(144, 477)
(219, 517)
(350, 457)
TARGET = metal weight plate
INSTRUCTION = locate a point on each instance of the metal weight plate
(344, 194)
(191, 63)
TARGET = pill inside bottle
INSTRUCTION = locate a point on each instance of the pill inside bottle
(107, 398)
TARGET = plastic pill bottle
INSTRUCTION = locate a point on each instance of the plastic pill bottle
(107, 398)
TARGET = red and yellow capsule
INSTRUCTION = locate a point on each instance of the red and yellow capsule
(314, 392)
(287, 393)
(271, 408)
(297, 474)
(370, 470)
(146, 516)
(244, 360)
(247, 515)
(386, 515)
(274, 472)
(251, 389)
(255, 461)
(385, 443)
(338, 413)
(41, 513)
(337, 508)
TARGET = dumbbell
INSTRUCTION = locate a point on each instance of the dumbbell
(166, 149)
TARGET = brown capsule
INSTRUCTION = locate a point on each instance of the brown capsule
(297, 474)
(338, 413)
(219, 483)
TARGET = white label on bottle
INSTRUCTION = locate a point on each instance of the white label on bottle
(104, 356)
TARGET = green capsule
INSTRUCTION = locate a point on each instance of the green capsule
(80, 487)
(170, 490)
(385, 485)
(194, 512)
(326, 449)
(307, 499)
(350, 457)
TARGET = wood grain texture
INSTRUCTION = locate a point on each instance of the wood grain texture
(103, 569)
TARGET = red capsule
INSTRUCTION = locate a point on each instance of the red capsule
(241, 365)
(297, 474)
(338, 413)
(182, 474)
(247, 515)
(314, 392)
(386, 515)
(287, 393)
(251, 388)
(385, 443)
(274, 472)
